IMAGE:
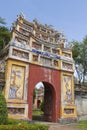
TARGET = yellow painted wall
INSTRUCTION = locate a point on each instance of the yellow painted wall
(68, 115)
(68, 108)
(15, 66)
(16, 115)
(16, 76)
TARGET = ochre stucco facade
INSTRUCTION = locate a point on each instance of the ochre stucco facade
(15, 88)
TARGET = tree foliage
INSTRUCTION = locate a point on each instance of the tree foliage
(2, 21)
(79, 51)
(5, 34)
(3, 110)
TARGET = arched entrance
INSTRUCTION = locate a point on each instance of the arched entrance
(52, 93)
(49, 102)
(45, 95)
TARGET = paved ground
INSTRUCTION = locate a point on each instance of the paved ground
(57, 126)
(62, 128)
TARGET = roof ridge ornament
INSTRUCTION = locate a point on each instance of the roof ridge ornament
(21, 15)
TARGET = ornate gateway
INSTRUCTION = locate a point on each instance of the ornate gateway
(38, 53)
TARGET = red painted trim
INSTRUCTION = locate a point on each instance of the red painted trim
(43, 74)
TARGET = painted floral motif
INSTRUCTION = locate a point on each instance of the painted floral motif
(67, 82)
(67, 66)
(17, 82)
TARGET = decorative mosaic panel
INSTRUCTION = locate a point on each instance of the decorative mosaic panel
(16, 82)
(22, 41)
(67, 66)
(67, 88)
(55, 63)
(36, 46)
(68, 110)
(16, 110)
(35, 58)
(47, 49)
(55, 51)
(67, 54)
(21, 30)
(46, 61)
(27, 27)
(46, 54)
(20, 54)
(2, 66)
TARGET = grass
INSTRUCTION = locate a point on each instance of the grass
(22, 125)
(38, 115)
(37, 112)
(82, 125)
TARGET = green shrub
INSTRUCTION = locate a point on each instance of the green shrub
(82, 125)
(42, 106)
(14, 124)
(24, 126)
(14, 121)
(3, 110)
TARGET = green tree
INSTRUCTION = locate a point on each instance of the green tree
(3, 110)
(2, 21)
(79, 51)
(5, 34)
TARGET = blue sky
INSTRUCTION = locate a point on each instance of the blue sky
(70, 16)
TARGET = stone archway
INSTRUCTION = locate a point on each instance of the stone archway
(52, 88)
(38, 53)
